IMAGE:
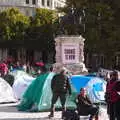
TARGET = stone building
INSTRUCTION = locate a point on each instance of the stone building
(28, 6)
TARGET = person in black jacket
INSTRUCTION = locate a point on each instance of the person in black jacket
(85, 106)
(60, 87)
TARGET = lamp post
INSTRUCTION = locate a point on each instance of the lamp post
(73, 14)
(84, 15)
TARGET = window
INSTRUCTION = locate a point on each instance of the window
(43, 2)
(69, 54)
(33, 2)
(27, 1)
(48, 2)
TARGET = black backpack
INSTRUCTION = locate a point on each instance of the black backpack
(70, 115)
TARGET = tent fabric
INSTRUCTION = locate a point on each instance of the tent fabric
(18, 73)
(79, 81)
(33, 93)
(21, 82)
(39, 95)
(45, 102)
(94, 74)
(95, 86)
(6, 92)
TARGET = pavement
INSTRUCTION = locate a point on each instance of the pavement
(9, 112)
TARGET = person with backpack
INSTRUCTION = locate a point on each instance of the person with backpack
(112, 96)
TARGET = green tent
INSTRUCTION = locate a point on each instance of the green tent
(39, 94)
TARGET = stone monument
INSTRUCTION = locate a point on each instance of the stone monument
(70, 53)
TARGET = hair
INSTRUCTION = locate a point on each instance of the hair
(62, 71)
(51, 68)
(81, 89)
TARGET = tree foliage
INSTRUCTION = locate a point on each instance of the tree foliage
(43, 17)
(38, 29)
(97, 21)
(13, 25)
(42, 27)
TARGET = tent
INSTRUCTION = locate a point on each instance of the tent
(6, 92)
(21, 82)
(95, 86)
(45, 102)
(94, 74)
(38, 97)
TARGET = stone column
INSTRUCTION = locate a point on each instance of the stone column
(45, 3)
(39, 4)
(52, 4)
(58, 51)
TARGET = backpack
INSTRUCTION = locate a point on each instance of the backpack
(70, 115)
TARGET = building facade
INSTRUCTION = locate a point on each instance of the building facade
(28, 6)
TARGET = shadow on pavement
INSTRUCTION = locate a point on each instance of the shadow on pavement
(8, 109)
(44, 118)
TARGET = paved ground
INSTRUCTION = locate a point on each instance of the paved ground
(9, 112)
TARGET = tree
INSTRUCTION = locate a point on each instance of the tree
(97, 21)
(13, 25)
(43, 28)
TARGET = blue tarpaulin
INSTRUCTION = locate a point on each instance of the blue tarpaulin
(80, 81)
(95, 86)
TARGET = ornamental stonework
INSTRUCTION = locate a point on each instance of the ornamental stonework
(70, 52)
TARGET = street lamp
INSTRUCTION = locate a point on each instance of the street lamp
(73, 14)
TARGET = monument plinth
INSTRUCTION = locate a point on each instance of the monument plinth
(70, 52)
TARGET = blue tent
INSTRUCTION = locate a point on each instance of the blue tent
(80, 81)
(95, 86)
(94, 74)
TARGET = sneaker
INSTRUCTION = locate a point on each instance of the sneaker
(51, 115)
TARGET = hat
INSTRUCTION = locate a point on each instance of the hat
(40, 64)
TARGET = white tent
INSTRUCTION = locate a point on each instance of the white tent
(6, 92)
(22, 81)
(96, 89)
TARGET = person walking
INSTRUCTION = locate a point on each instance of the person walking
(60, 87)
(112, 97)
